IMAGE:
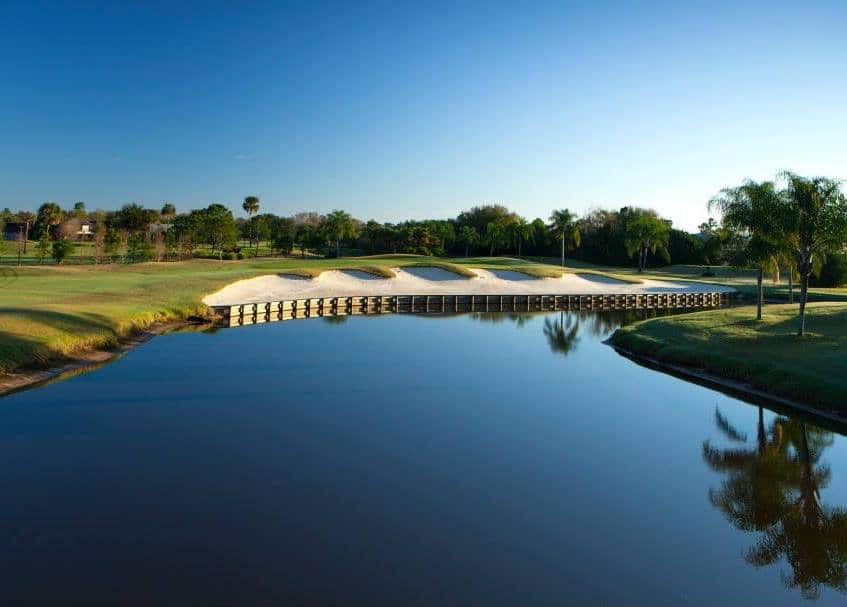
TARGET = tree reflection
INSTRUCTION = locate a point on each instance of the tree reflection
(773, 488)
(562, 333)
(518, 318)
(334, 319)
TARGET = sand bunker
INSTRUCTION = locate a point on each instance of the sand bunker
(435, 281)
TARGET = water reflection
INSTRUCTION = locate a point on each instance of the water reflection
(561, 333)
(519, 319)
(772, 488)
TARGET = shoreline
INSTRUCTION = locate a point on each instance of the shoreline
(734, 387)
(10, 383)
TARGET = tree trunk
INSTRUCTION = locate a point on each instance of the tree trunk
(520, 242)
(491, 250)
(790, 284)
(563, 249)
(804, 294)
(338, 247)
(760, 292)
(467, 249)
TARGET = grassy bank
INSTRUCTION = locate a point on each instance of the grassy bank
(766, 354)
(49, 312)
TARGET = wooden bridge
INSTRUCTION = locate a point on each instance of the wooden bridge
(273, 311)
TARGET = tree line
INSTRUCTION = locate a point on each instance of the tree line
(134, 233)
(792, 225)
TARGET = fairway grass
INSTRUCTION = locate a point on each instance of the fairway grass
(766, 354)
(51, 313)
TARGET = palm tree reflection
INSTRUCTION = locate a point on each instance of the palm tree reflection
(562, 333)
(773, 488)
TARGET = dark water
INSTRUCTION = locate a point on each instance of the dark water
(408, 460)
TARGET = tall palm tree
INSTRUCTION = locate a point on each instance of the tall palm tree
(563, 224)
(495, 236)
(813, 221)
(753, 210)
(251, 207)
(338, 226)
(469, 237)
(644, 233)
(522, 231)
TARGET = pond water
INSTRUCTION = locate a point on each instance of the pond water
(411, 460)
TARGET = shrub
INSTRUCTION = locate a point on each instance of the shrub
(138, 248)
(62, 249)
(833, 272)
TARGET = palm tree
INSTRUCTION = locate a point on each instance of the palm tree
(752, 210)
(251, 207)
(645, 233)
(304, 234)
(49, 215)
(469, 237)
(563, 224)
(813, 222)
(495, 236)
(522, 231)
(79, 210)
(339, 225)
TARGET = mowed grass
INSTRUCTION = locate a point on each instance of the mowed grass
(767, 354)
(741, 279)
(49, 312)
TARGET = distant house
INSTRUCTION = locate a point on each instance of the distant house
(86, 228)
(155, 228)
(14, 230)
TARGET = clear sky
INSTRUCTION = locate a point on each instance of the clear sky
(396, 112)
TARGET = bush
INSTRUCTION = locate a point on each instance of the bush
(833, 273)
(229, 256)
(62, 249)
(138, 248)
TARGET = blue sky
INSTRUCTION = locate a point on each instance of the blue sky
(396, 112)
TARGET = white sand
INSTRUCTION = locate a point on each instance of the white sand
(435, 281)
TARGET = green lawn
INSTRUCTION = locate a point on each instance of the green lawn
(767, 354)
(51, 312)
(744, 280)
(84, 253)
